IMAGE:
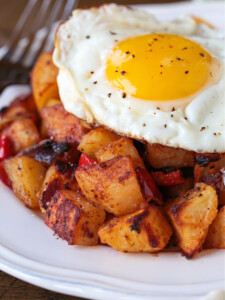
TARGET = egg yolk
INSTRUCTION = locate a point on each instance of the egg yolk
(158, 67)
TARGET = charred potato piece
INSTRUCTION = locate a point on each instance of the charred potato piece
(62, 126)
(209, 169)
(112, 184)
(27, 176)
(216, 233)
(160, 156)
(191, 214)
(43, 80)
(59, 176)
(74, 219)
(146, 230)
(121, 147)
(95, 140)
(22, 133)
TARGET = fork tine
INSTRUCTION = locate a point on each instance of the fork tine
(21, 24)
(56, 16)
(68, 8)
(38, 23)
(65, 14)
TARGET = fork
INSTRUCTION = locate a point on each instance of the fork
(33, 34)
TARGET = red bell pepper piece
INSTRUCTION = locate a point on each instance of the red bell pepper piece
(5, 147)
(85, 161)
(171, 178)
(148, 185)
(4, 178)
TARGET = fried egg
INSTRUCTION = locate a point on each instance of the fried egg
(160, 82)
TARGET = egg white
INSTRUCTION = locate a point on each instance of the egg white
(82, 47)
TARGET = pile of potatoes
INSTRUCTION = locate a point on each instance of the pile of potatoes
(105, 200)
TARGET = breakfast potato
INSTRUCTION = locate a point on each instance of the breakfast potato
(26, 176)
(216, 234)
(209, 169)
(59, 176)
(74, 219)
(146, 230)
(95, 139)
(61, 125)
(21, 106)
(112, 184)
(43, 80)
(160, 156)
(121, 147)
(191, 215)
(22, 133)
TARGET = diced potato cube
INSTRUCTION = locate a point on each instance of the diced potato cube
(160, 156)
(26, 176)
(112, 184)
(146, 230)
(23, 133)
(94, 140)
(74, 219)
(20, 107)
(216, 234)
(43, 80)
(62, 126)
(59, 176)
(191, 214)
(121, 147)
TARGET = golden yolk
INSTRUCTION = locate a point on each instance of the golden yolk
(158, 67)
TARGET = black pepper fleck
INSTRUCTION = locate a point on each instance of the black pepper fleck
(95, 82)
(203, 128)
(109, 95)
(112, 33)
(165, 125)
(202, 54)
(186, 72)
(144, 125)
(178, 58)
(124, 95)
(123, 73)
(128, 52)
(185, 118)
(87, 36)
(158, 108)
(173, 109)
(133, 55)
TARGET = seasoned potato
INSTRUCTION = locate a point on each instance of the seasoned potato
(146, 230)
(21, 106)
(210, 172)
(43, 80)
(160, 156)
(23, 133)
(121, 147)
(112, 184)
(59, 176)
(95, 140)
(74, 219)
(191, 214)
(216, 234)
(26, 176)
(62, 126)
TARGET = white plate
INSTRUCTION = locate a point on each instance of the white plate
(29, 251)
